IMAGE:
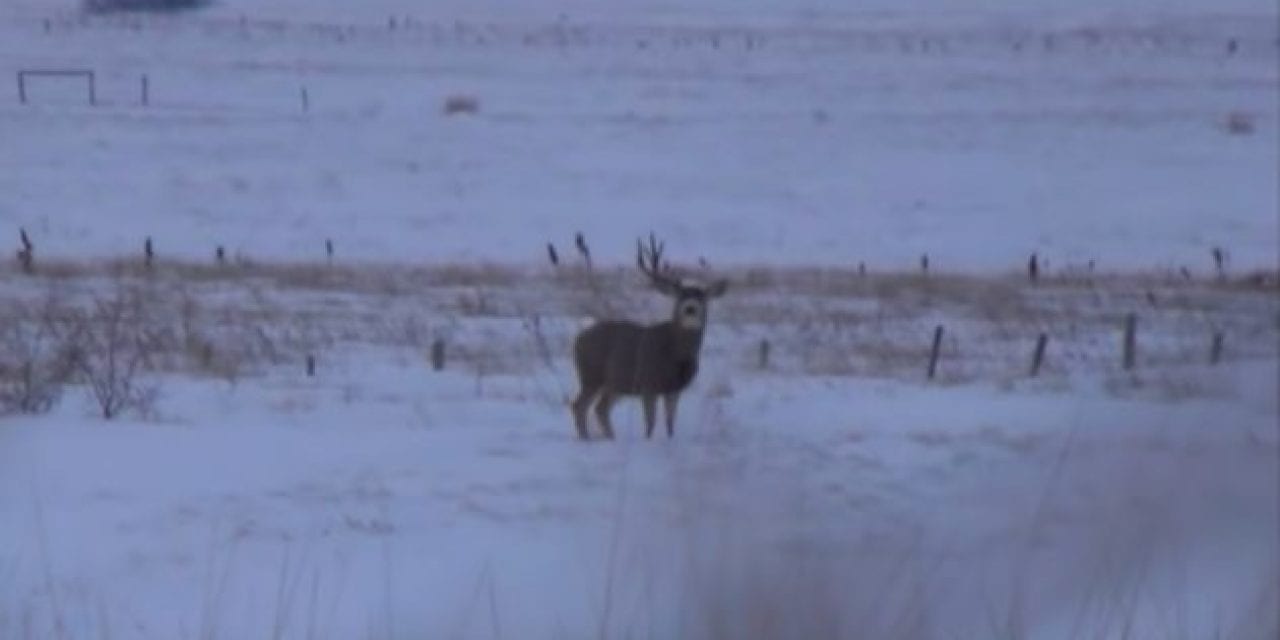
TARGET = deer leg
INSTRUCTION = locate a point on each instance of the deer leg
(580, 406)
(603, 405)
(650, 408)
(669, 402)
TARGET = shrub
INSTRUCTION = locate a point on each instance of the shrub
(35, 363)
(113, 352)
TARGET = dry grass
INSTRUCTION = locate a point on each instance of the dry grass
(986, 291)
(1110, 566)
(229, 320)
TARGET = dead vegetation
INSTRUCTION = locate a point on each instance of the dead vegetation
(122, 321)
(36, 361)
(114, 341)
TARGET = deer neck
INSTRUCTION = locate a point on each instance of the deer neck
(685, 342)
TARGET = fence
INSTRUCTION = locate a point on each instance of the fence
(89, 76)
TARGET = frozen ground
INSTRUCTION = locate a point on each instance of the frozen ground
(834, 493)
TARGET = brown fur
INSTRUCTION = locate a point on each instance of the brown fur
(618, 358)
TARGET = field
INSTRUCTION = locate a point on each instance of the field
(283, 460)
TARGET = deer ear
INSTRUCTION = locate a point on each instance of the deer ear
(717, 288)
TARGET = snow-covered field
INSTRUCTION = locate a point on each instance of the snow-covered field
(834, 492)
(755, 132)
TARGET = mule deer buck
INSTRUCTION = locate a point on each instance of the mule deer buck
(617, 358)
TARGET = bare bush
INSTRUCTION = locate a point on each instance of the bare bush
(115, 346)
(35, 363)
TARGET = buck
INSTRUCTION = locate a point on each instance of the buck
(618, 358)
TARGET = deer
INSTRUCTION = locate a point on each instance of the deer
(620, 358)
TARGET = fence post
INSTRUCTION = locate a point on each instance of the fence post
(1130, 341)
(437, 354)
(88, 74)
(146, 90)
(1038, 357)
(26, 255)
(764, 354)
(1215, 349)
(934, 352)
(311, 366)
(306, 100)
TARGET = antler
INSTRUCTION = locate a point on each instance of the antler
(649, 260)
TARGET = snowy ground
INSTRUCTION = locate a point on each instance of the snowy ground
(833, 493)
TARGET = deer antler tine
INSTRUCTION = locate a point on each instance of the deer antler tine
(649, 260)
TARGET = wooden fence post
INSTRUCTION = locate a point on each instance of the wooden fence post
(934, 352)
(580, 241)
(145, 90)
(1215, 349)
(1130, 341)
(437, 354)
(1038, 357)
(88, 74)
(764, 354)
(27, 254)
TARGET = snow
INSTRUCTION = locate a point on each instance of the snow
(774, 135)
(382, 499)
(370, 491)
(833, 493)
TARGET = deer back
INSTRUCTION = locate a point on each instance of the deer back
(634, 359)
